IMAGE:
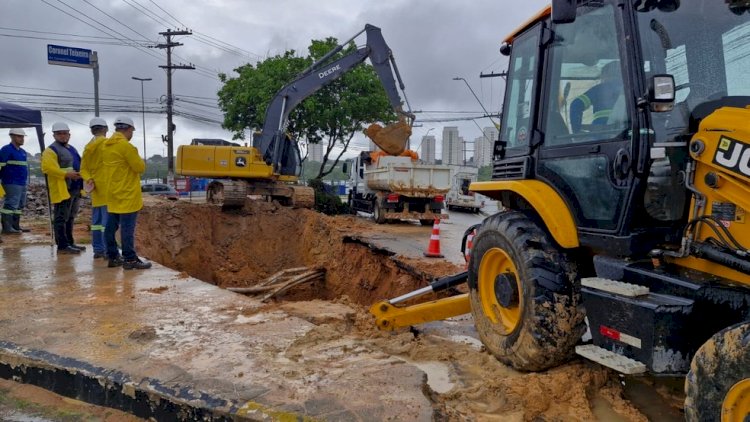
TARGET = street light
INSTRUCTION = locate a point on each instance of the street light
(143, 113)
(475, 96)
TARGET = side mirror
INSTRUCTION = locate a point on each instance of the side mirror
(345, 168)
(661, 93)
(505, 49)
(563, 11)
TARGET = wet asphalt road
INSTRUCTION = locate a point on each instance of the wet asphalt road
(410, 239)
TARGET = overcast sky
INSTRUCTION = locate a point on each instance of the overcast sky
(432, 41)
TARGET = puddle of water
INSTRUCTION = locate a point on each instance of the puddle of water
(645, 398)
(438, 375)
(475, 343)
(18, 416)
(603, 411)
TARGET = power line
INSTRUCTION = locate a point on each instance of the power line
(113, 18)
(208, 39)
(66, 39)
(68, 97)
(147, 15)
(168, 14)
(72, 92)
(98, 29)
(65, 34)
(199, 36)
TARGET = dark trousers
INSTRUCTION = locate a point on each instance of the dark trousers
(65, 214)
(126, 224)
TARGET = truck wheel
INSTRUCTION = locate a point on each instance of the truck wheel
(718, 384)
(524, 295)
(377, 212)
(427, 222)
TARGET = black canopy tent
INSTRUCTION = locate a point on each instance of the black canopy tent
(12, 115)
(15, 116)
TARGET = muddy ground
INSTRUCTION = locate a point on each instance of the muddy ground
(464, 382)
(243, 248)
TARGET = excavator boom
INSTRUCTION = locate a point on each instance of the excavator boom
(272, 143)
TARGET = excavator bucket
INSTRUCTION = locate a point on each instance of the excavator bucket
(392, 138)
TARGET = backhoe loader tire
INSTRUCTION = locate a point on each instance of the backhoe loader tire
(377, 212)
(524, 294)
(719, 377)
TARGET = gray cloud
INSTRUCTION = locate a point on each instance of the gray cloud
(433, 41)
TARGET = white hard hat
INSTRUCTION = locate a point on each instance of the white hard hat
(97, 121)
(124, 120)
(17, 131)
(59, 126)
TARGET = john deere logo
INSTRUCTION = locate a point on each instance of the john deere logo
(240, 161)
(733, 155)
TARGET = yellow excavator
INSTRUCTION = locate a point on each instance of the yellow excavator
(623, 168)
(271, 167)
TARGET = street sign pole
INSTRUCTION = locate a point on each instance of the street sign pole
(95, 64)
(61, 55)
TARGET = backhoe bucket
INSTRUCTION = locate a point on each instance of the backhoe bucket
(392, 138)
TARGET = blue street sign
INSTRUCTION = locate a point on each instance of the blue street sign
(68, 56)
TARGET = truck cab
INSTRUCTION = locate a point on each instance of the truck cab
(460, 196)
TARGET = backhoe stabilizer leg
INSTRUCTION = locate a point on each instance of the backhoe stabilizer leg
(390, 317)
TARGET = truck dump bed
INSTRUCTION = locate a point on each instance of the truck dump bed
(402, 176)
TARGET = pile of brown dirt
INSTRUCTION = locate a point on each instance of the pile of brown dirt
(244, 248)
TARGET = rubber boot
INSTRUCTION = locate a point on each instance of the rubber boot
(7, 222)
(17, 224)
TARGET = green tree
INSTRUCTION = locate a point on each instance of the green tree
(332, 116)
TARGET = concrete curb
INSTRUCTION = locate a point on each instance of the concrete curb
(147, 398)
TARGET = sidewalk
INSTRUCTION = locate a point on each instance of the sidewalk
(160, 344)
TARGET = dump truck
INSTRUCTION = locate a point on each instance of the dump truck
(271, 167)
(398, 187)
(623, 168)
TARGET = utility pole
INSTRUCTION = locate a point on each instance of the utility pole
(170, 127)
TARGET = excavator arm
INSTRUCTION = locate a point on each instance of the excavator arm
(272, 141)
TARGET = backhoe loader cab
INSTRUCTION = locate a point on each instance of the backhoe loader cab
(623, 165)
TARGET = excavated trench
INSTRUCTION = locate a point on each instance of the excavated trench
(461, 379)
(243, 248)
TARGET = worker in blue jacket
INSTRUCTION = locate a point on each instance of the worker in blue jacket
(14, 174)
(600, 97)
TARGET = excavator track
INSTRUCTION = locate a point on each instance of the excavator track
(235, 193)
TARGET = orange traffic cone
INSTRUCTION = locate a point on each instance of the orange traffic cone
(469, 245)
(433, 248)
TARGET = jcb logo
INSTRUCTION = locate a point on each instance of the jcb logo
(734, 155)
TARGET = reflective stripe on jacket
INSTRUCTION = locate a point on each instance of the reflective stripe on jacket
(601, 98)
(13, 165)
(122, 167)
(91, 170)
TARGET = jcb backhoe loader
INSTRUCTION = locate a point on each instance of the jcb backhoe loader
(271, 167)
(623, 166)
